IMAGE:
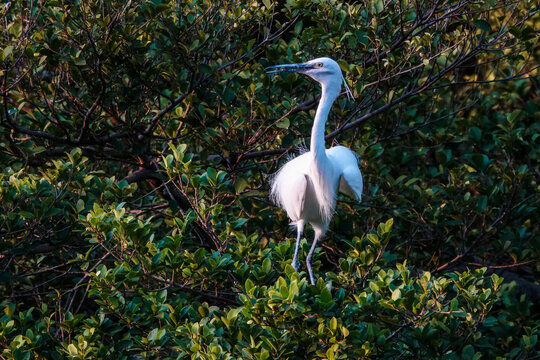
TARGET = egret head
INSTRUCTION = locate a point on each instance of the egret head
(323, 70)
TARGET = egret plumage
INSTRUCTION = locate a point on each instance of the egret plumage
(306, 187)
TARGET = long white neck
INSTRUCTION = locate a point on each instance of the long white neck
(322, 168)
(317, 132)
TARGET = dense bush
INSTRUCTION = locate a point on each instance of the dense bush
(137, 142)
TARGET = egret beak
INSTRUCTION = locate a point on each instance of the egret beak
(289, 68)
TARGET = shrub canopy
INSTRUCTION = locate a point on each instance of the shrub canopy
(136, 144)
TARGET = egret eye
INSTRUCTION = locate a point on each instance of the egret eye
(319, 65)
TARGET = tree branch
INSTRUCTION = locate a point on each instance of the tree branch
(152, 172)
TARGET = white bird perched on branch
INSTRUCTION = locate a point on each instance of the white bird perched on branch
(306, 187)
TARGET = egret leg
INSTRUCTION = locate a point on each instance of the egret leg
(299, 230)
(318, 234)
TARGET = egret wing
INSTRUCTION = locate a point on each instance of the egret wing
(351, 182)
(346, 163)
(289, 188)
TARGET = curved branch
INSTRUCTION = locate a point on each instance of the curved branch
(152, 174)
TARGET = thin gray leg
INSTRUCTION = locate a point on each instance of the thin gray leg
(299, 230)
(318, 234)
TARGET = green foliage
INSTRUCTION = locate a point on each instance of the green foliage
(137, 140)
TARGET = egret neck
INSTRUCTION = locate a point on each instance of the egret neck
(323, 168)
(328, 95)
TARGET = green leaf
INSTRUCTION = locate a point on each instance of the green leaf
(8, 50)
(330, 355)
(152, 335)
(379, 6)
(267, 265)
(482, 25)
(284, 123)
(515, 115)
(388, 225)
(326, 296)
(240, 184)
(479, 161)
(333, 323)
(482, 204)
(72, 349)
(205, 69)
(228, 95)
(249, 286)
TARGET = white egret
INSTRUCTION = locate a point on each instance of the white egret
(306, 187)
